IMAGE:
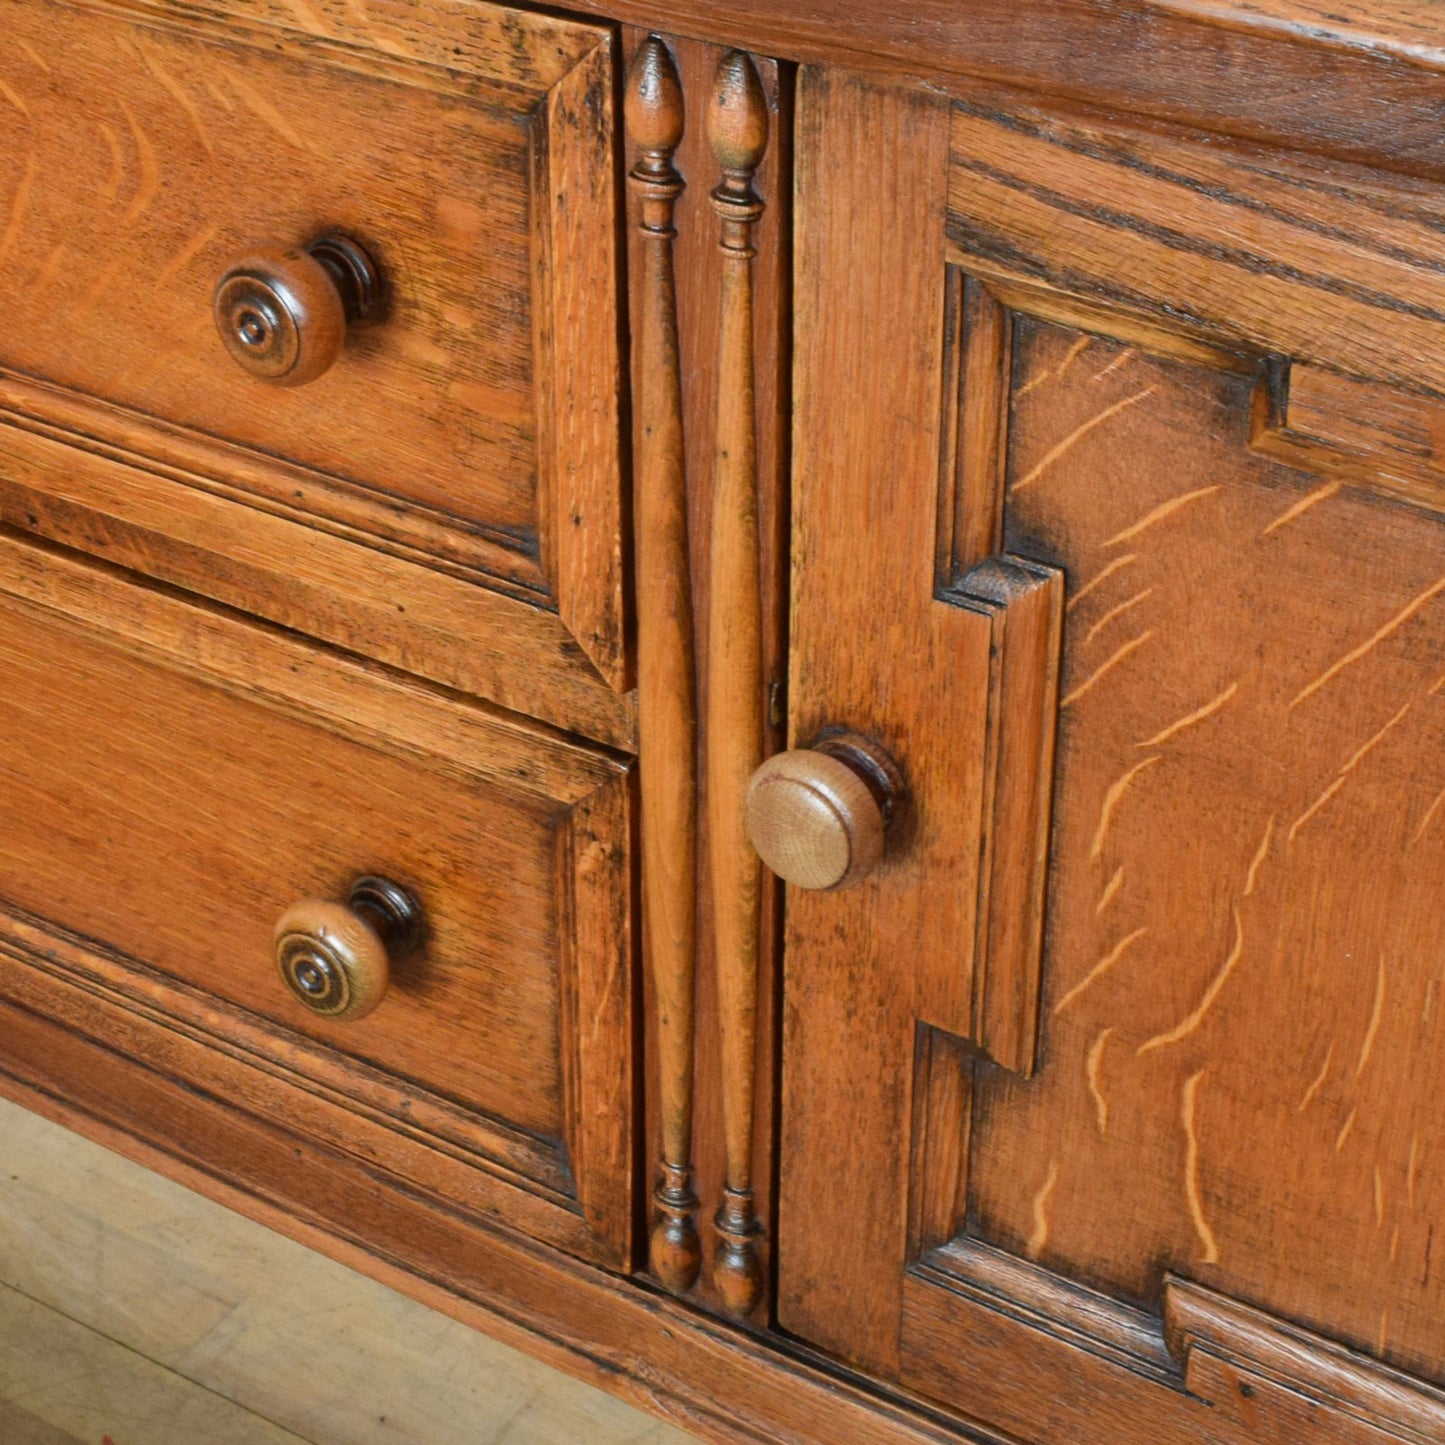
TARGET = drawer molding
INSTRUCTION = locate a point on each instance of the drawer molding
(574, 1186)
(473, 427)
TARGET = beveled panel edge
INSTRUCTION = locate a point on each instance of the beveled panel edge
(471, 639)
(350, 510)
(1365, 1389)
(519, 51)
(469, 1159)
(578, 373)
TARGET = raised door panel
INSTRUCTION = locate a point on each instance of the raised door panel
(1168, 1167)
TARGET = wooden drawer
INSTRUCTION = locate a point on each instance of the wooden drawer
(465, 439)
(171, 781)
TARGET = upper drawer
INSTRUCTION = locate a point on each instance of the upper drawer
(470, 423)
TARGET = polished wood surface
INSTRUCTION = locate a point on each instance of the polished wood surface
(1042, 400)
(666, 662)
(1374, 69)
(469, 430)
(819, 816)
(335, 957)
(737, 127)
(282, 313)
(1201, 953)
(699, 284)
(137, 831)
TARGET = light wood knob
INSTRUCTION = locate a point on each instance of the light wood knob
(283, 312)
(336, 958)
(819, 816)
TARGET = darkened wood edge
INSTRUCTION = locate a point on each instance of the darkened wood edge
(725, 1384)
(1025, 603)
(1362, 452)
(276, 669)
(579, 368)
(1337, 1377)
(329, 502)
(1370, 98)
(71, 964)
(1044, 1300)
(1159, 1373)
(539, 49)
(477, 641)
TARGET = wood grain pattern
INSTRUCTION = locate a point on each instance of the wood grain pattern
(699, 283)
(1235, 1376)
(1267, 989)
(713, 1381)
(482, 465)
(737, 121)
(1357, 432)
(869, 161)
(112, 501)
(133, 817)
(1252, 251)
(667, 685)
(1373, 70)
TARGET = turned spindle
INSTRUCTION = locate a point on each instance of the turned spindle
(737, 128)
(667, 706)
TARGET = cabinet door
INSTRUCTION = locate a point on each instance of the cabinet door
(1109, 1098)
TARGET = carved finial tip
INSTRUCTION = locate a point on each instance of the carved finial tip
(653, 104)
(737, 119)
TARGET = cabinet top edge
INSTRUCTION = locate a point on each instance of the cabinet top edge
(1373, 70)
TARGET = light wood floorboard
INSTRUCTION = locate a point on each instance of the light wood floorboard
(132, 1300)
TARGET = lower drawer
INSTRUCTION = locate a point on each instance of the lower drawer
(172, 781)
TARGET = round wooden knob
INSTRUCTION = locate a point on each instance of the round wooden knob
(283, 313)
(336, 957)
(819, 816)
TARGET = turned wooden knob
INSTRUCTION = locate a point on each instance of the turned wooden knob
(283, 313)
(819, 816)
(336, 957)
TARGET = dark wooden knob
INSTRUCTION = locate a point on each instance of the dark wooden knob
(819, 816)
(336, 957)
(283, 313)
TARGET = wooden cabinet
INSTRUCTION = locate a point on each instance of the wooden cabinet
(985, 457)
(1116, 1128)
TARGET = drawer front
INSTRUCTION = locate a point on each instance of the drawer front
(171, 786)
(469, 423)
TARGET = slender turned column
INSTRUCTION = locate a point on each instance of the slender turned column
(667, 699)
(738, 133)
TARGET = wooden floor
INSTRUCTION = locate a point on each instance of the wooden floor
(134, 1312)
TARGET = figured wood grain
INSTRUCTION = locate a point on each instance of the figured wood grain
(442, 424)
(1375, 72)
(737, 120)
(667, 684)
(1231, 998)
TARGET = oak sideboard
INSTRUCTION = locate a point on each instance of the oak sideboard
(746, 692)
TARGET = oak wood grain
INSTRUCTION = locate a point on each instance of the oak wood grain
(667, 681)
(185, 778)
(487, 201)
